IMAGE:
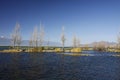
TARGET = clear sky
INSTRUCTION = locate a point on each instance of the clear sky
(90, 20)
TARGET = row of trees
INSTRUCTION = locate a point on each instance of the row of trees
(37, 38)
(76, 41)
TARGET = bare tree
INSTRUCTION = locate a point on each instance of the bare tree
(41, 35)
(118, 40)
(13, 42)
(74, 41)
(48, 42)
(78, 42)
(19, 40)
(63, 38)
(35, 37)
(16, 36)
(31, 42)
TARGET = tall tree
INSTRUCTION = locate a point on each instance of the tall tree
(74, 41)
(35, 37)
(19, 40)
(13, 41)
(118, 40)
(48, 42)
(16, 36)
(78, 42)
(63, 38)
(41, 35)
(31, 41)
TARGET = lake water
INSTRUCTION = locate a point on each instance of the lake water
(57, 66)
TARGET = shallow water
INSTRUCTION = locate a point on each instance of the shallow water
(56, 66)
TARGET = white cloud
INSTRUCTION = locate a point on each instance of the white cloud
(2, 37)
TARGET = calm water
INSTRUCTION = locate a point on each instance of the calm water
(54, 66)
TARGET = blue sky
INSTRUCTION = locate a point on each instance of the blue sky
(90, 20)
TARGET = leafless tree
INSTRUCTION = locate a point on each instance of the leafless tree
(118, 40)
(78, 42)
(13, 42)
(31, 42)
(63, 38)
(35, 37)
(41, 35)
(16, 36)
(19, 40)
(48, 42)
(74, 41)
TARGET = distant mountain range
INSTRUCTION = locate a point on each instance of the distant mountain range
(106, 43)
(4, 41)
(7, 42)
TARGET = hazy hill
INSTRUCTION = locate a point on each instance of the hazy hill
(4, 41)
(7, 42)
(102, 42)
